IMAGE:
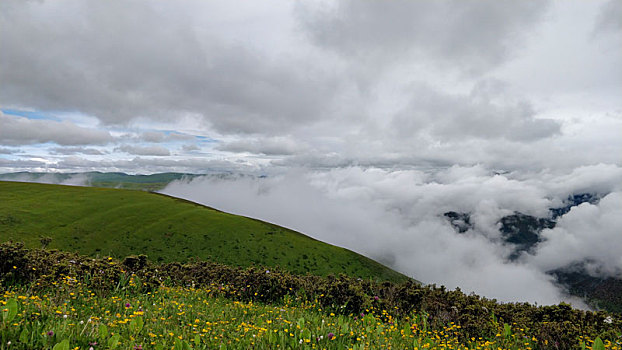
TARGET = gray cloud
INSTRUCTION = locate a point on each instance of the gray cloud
(167, 69)
(152, 136)
(22, 131)
(156, 136)
(476, 115)
(8, 150)
(267, 146)
(21, 164)
(144, 150)
(297, 75)
(190, 148)
(472, 34)
(610, 18)
(75, 150)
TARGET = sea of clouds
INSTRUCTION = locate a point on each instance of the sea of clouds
(396, 217)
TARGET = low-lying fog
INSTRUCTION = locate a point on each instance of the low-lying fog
(396, 217)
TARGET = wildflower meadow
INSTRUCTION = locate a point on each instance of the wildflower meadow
(66, 307)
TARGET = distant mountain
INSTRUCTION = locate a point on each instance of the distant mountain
(601, 293)
(461, 222)
(523, 233)
(152, 182)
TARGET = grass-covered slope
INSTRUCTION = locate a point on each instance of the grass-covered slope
(102, 222)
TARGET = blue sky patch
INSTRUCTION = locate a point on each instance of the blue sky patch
(205, 139)
(30, 114)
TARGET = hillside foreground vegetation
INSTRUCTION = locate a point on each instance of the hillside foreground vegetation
(60, 300)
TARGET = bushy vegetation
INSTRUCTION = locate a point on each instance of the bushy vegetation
(136, 304)
(118, 223)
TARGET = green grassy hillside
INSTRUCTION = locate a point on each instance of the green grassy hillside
(112, 222)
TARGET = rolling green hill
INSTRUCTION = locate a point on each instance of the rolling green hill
(113, 222)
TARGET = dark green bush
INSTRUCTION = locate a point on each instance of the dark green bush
(558, 325)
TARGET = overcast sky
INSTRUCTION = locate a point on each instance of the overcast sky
(370, 118)
(149, 86)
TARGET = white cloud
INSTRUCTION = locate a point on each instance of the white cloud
(396, 217)
(150, 165)
(51, 178)
(589, 233)
(22, 131)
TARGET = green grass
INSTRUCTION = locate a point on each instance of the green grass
(118, 223)
(207, 318)
(61, 301)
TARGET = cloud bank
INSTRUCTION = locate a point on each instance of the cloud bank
(397, 218)
(588, 234)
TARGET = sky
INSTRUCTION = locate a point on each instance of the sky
(379, 114)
